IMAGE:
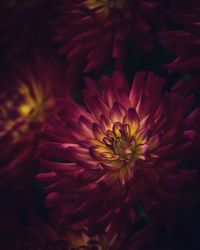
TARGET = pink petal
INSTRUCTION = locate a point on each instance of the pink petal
(131, 118)
(117, 112)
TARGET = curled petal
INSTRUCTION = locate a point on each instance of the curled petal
(117, 112)
(131, 118)
(98, 133)
(117, 129)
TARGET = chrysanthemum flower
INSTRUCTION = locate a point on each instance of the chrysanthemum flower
(82, 240)
(187, 16)
(22, 228)
(119, 153)
(26, 100)
(26, 103)
(24, 26)
(92, 33)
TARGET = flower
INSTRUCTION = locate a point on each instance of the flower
(188, 50)
(119, 154)
(92, 33)
(22, 225)
(24, 229)
(29, 93)
(24, 26)
(26, 103)
(82, 240)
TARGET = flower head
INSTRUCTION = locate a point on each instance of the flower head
(82, 240)
(24, 26)
(188, 51)
(29, 92)
(26, 103)
(122, 149)
(92, 33)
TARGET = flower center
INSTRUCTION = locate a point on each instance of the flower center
(123, 145)
(103, 7)
(20, 110)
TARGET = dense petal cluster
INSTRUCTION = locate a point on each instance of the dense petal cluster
(122, 149)
(24, 26)
(91, 33)
(25, 107)
(82, 240)
(27, 100)
(109, 166)
(21, 229)
(187, 16)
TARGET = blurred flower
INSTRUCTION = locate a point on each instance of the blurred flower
(22, 228)
(187, 16)
(92, 33)
(119, 153)
(24, 26)
(25, 105)
(81, 240)
(29, 93)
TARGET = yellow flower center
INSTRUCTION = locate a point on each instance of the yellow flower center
(103, 7)
(27, 106)
(124, 147)
(121, 144)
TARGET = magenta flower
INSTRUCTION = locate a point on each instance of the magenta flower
(91, 33)
(24, 229)
(25, 105)
(24, 26)
(187, 51)
(21, 225)
(122, 148)
(81, 240)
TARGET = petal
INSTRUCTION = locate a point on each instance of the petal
(119, 80)
(98, 133)
(105, 124)
(131, 118)
(117, 112)
(100, 152)
(108, 141)
(143, 136)
(117, 129)
(108, 167)
(137, 87)
(87, 164)
(154, 141)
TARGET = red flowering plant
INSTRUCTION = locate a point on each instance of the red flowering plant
(119, 152)
(112, 168)
(183, 37)
(92, 33)
(22, 227)
(24, 26)
(26, 101)
(81, 239)
(25, 104)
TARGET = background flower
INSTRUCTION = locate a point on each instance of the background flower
(27, 97)
(93, 33)
(185, 17)
(24, 26)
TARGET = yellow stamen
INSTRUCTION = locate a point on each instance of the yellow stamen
(104, 6)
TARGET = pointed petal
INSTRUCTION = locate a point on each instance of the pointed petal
(131, 118)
